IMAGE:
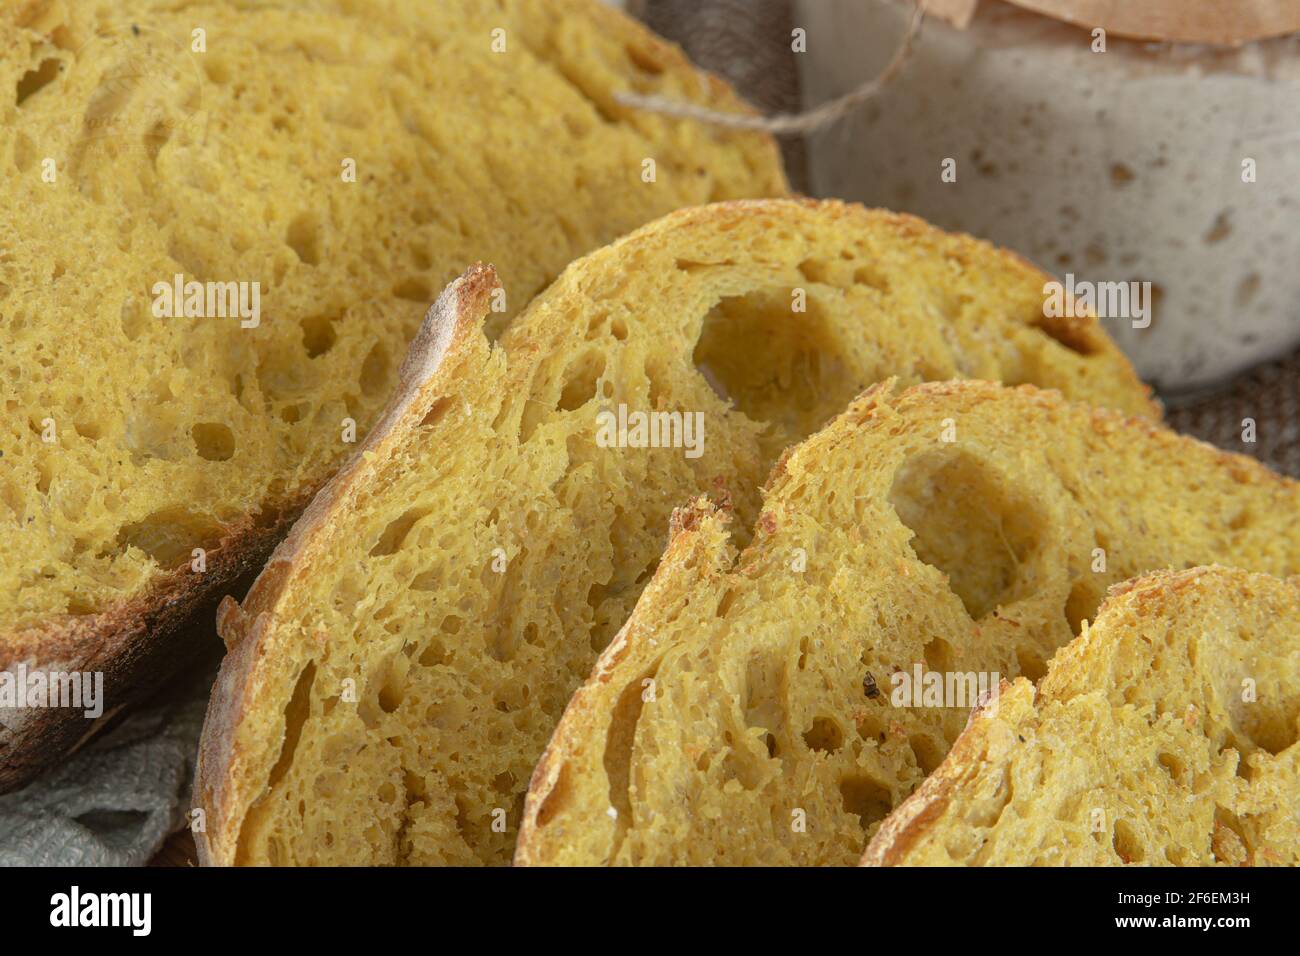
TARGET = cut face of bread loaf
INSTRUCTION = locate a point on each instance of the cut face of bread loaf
(773, 707)
(403, 659)
(345, 159)
(1164, 734)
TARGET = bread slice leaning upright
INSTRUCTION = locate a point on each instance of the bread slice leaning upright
(402, 660)
(1165, 734)
(209, 293)
(773, 706)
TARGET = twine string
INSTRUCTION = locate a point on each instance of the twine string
(787, 124)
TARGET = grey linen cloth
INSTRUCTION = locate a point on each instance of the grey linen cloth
(116, 800)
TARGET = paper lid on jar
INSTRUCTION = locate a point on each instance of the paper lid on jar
(1222, 22)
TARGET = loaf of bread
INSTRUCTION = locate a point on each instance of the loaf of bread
(1165, 734)
(773, 707)
(318, 171)
(403, 659)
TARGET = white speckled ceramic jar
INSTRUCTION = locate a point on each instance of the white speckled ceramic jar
(1116, 166)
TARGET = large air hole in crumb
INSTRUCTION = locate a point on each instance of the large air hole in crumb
(1031, 664)
(1083, 601)
(580, 380)
(427, 580)
(824, 735)
(169, 536)
(1269, 723)
(318, 335)
(871, 726)
(501, 641)
(971, 524)
(437, 411)
(1173, 765)
(872, 277)
(817, 270)
(1127, 845)
(213, 441)
(619, 740)
(938, 655)
(374, 371)
(557, 799)
(393, 688)
(394, 534)
(296, 712)
(1077, 335)
(1179, 856)
(413, 289)
(434, 655)
(928, 753)
(866, 799)
(775, 364)
(599, 634)
(33, 81)
(80, 605)
(532, 415)
(767, 683)
(303, 237)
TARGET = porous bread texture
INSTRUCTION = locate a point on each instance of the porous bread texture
(228, 165)
(463, 572)
(1165, 734)
(745, 713)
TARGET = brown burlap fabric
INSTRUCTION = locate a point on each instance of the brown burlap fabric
(748, 42)
(1270, 396)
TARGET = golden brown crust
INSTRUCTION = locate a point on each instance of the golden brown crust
(447, 329)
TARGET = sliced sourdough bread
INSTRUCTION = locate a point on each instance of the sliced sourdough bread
(400, 664)
(1164, 734)
(772, 708)
(339, 160)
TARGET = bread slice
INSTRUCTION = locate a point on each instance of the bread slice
(772, 708)
(351, 158)
(458, 578)
(1164, 734)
